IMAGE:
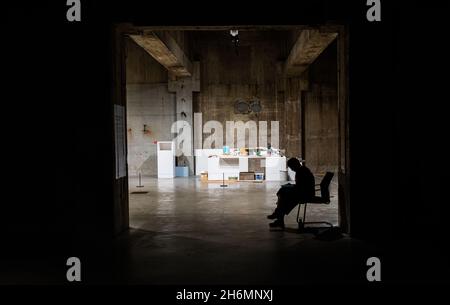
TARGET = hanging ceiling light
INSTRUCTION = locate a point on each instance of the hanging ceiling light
(235, 39)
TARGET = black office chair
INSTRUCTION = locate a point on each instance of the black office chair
(323, 199)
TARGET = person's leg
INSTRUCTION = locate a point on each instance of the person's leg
(279, 215)
(279, 223)
(275, 213)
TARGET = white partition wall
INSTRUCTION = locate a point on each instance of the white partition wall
(201, 159)
(166, 159)
(275, 168)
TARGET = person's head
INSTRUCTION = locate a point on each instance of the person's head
(294, 164)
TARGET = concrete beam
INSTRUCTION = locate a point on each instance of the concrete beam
(164, 49)
(309, 45)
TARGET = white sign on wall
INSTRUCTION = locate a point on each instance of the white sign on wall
(120, 147)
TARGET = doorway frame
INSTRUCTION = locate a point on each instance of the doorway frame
(122, 30)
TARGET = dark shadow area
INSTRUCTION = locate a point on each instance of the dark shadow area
(59, 157)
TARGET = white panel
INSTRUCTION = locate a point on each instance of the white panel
(274, 168)
(243, 164)
(201, 159)
(166, 159)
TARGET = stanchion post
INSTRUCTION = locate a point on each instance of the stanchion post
(223, 181)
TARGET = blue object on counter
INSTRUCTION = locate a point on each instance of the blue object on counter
(182, 171)
(259, 176)
(226, 150)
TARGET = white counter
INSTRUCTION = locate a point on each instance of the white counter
(231, 166)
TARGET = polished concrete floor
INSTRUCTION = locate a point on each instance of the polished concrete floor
(188, 231)
(185, 232)
(190, 207)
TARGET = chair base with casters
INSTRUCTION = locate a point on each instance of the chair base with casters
(323, 199)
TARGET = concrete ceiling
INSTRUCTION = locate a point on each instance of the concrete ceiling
(165, 50)
(309, 45)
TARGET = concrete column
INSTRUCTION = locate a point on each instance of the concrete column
(183, 87)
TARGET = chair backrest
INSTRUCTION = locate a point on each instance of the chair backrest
(325, 186)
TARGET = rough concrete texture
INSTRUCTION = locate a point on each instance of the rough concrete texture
(321, 113)
(253, 74)
(292, 116)
(184, 88)
(150, 105)
(309, 45)
(164, 49)
(141, 67)
(227, 77)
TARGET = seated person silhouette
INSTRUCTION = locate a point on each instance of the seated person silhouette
(289, 195)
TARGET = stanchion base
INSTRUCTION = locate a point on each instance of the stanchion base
(223, 185)
(139, 186)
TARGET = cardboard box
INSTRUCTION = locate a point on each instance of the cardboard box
(246, 176)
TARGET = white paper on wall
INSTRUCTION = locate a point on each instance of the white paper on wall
(120, 147)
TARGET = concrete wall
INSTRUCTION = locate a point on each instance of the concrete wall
(321, 113)
(148, 103)
(305, 106)
(292, 116)
(310, 123)
(227, 76)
